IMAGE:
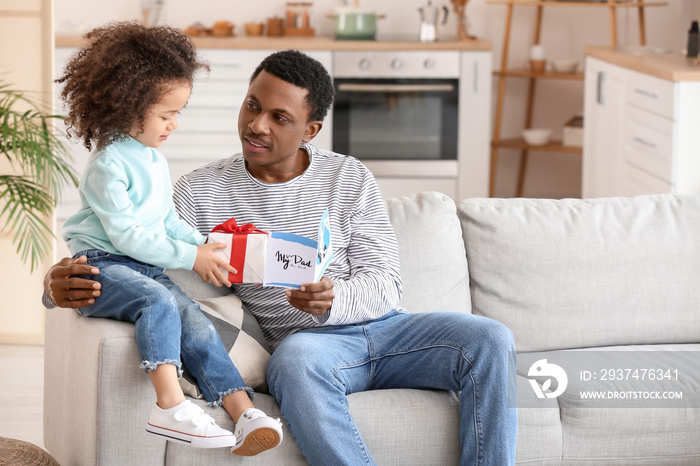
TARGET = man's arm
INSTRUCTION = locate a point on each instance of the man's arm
(63, 289)
(373, 286)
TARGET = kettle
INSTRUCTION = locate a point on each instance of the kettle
(429, 18)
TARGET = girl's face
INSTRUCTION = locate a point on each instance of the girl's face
(162, 117)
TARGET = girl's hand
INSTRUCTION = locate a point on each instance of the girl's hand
(208, 265)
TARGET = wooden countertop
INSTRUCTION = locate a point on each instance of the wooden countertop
(669, 66)
(309, 43)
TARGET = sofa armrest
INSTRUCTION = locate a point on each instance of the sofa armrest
(91, 378)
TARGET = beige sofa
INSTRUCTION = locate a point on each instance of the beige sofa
(618, 276)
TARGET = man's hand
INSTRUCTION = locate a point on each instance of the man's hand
(208, 265)
(68, 291)
(313, 298)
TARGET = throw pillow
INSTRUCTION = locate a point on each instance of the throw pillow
(431, 251)
(238, 329)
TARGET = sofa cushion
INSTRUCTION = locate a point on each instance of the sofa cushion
(431, 253)
(579, 273)
(630, 437)
(539, 429)
(604, 377)
(238, 329)
(635, 429)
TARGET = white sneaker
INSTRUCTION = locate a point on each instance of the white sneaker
(188, 423)
(256, 432)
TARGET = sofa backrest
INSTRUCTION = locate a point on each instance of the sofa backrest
(580, 273)
(431, 253)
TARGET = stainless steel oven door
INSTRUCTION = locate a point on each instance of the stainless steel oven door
(396, 119)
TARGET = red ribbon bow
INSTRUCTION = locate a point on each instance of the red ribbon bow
(239, 242)
(230, 226)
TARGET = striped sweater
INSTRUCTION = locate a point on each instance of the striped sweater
(365, 266)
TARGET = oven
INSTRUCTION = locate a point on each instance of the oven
(398, 111)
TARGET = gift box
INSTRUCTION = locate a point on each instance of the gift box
(246, 249)
(273, 258)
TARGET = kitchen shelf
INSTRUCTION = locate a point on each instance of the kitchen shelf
(552, 146)
(504, 73)
(523, 73)
(319, 42)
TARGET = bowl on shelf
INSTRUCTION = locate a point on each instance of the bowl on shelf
(537, 136)
(564, 66)
(223, 28)
(253, 29)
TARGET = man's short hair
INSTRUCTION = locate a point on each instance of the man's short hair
(303, 71)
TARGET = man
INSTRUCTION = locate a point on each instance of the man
(345, 333)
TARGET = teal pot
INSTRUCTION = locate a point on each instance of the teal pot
(354, 24)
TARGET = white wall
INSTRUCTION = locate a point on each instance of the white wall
(567, 30)
(26, 36)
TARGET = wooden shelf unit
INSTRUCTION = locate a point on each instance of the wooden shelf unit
(503, 73)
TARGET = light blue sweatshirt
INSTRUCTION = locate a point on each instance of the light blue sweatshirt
(127, 209)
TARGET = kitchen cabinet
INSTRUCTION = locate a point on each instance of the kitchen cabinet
(602, 136)
(640, 135)
(475, 90)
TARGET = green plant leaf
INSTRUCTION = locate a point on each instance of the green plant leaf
(34, 149)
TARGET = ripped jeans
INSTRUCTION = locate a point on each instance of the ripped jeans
(169, 325)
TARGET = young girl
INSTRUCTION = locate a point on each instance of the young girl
(124, 90)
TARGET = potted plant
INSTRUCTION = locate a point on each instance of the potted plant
(40, 165)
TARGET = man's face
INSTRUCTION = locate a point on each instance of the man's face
(272, 123)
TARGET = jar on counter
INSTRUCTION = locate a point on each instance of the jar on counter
(299, 18)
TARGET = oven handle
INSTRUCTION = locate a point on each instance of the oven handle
(348, 87)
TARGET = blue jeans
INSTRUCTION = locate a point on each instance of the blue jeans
(312, 371)
(169, 325)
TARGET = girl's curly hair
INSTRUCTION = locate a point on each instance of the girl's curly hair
(125, 69)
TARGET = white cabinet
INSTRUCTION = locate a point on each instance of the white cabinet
(474, 143)
(603, 110)
(640, 135)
